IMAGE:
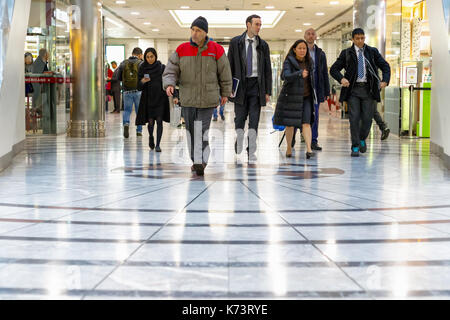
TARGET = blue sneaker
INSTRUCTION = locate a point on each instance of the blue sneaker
(355, 152)
(363, 146)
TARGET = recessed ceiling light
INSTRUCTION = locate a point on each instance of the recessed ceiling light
(298, 30)
(307, 24)
(320, 14)
(155, 30)
(121, 2)
(185, 7)
(270, 7)
(135, 13)
(147, 23)
(333, 3)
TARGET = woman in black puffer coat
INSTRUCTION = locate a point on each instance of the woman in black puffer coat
(154, 104)
(295, 105)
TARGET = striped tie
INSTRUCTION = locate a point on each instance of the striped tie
(360, 65)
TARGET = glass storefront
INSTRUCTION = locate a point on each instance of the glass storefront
(48, 99)
(408, 51)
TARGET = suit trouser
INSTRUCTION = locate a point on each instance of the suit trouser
(361, 111)
(315, 126)
(251, 109)
(198, 121)
(377, 117)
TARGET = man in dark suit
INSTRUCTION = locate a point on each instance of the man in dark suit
(361, 86)
(249, 58)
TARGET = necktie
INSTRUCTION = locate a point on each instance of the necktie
(360, 65)
(250, 58)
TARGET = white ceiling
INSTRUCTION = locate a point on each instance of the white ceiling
(157, 13)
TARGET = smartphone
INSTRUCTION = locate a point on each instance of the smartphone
(146, 76)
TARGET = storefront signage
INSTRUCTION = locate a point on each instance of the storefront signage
(47, 80)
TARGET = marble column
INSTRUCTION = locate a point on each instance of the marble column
(370, 15)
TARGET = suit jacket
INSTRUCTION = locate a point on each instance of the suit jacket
(238, 66)
(349, 61)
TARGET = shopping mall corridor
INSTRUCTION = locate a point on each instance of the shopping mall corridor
(107, 218)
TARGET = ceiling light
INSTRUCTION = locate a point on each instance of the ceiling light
(155, 30)
(135, 13)
(121, 2)
(320, 14)
(298, 30)
(270, 7)
(185, 7)
(147, 23)
(233, 19)
(333, 3)
(307, 24)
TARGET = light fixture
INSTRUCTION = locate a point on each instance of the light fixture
(147, 23)
(307, 24)
(185, 7)
(320, 14)
(270, 7)
(121, 2)
(233, 18)
(135, 13)
(155, 30)
(298, 30)
(333, 3)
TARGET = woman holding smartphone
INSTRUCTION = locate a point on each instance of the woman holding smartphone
(154, 104)
(295, 106)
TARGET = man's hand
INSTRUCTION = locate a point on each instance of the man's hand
(223, 100)
(175, 101)
(383, 85)
(169, 91)
(145, 80)
(267, 98)
(345, 82)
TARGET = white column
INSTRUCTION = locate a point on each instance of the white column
(146, 43)
(162, 48)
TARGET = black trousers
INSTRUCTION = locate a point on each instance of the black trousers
(116, 98)
(361, 111)
(377, 117)
(198, 121)
(251, 109)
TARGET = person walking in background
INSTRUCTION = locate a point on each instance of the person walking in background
(221, 108)
(115, 88)
(249, 57)
(128, 74)
(381, 124)
(202, 71)
(39, 67)
(321, 81)
(361, 86)
(154, 105)
(109, 74)
(295, 106)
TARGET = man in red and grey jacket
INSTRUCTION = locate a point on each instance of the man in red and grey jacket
(201, 70)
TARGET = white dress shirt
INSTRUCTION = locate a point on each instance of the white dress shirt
(364, 79)
(255, 54)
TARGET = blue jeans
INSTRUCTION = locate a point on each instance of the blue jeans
(315, 126)
(221, 112)
(130, 98)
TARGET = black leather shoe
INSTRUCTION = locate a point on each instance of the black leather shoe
(309, 155)
(152, 143)
(199, 169)
(385, 134)
(158, 149)
(126, 132)
(316, 147)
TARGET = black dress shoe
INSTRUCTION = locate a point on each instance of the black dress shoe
(199, 169)
(158, 149)
(309, 155)
(316, 147)
(385, 134)
(126, 132)
(152, 143)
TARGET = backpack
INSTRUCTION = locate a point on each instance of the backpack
(130, 75)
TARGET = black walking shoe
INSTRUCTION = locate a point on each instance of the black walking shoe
(158, 149)
(126, 131)
(152, 143)
(223, 118)
(362, 146)
(316, 147)
(385, 134)
(309, 155)
(214, 119)
(199, 169)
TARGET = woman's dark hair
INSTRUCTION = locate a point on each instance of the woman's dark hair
(152, 50)
(307, 57)
(28, 54)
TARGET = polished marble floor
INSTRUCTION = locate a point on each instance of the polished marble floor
(109, 219)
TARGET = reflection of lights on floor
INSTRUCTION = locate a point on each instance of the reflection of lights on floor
(400, 283)
(277, 270)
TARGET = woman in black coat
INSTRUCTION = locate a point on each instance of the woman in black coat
(295, 105)
(154, 104)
